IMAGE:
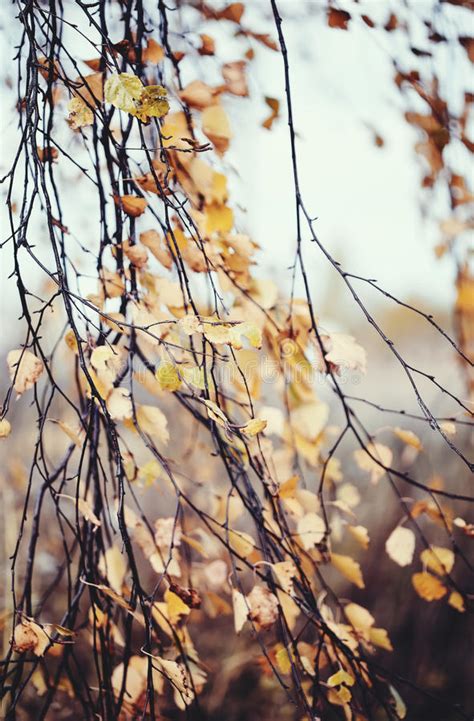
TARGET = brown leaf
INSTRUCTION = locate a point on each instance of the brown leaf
(234, 76)
(29, 636)
(208, 46)
(468, 45)
(90, 89)
(338, 18)
(189, 596)
(198, 95)
(274, 106)
(153, 52)
(132, 205)
(391, 24)
(232, 12)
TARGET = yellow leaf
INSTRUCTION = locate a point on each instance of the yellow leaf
(152, 103)
(349, 568)
(234, 76)
(175, 606)
(241, 543)
(456, 601)
(359, 616)
(379, 637)
(408, 437)
(149, 473)
(285, 571)
(254, 426)
(5, 428)
(113, 567)
(215, 124)
(361, 535)
(438, 559)
(282, 658)
(70, 340)
(176, 674)
(123, 90)
(83, 507)
(400, 708)
(400, 546)
(116, 597)
(194, 376)
(340, 696)
(428, 586)
(263, 606)
(340, 677)
(135, 678)
(218, 219)
(215, 413)
(80, 114)
(167, 376)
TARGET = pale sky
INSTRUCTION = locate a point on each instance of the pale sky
(367, 199)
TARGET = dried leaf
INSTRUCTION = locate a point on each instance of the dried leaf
(153, 52)
(263, 607)
(113, 567)
(240, 610)
(29, 636)
(83, 507)
(234, 77)
(24, 368)
(254, 426)
(80, 115)
(123, 90)
(132, 205)
(274, 106)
